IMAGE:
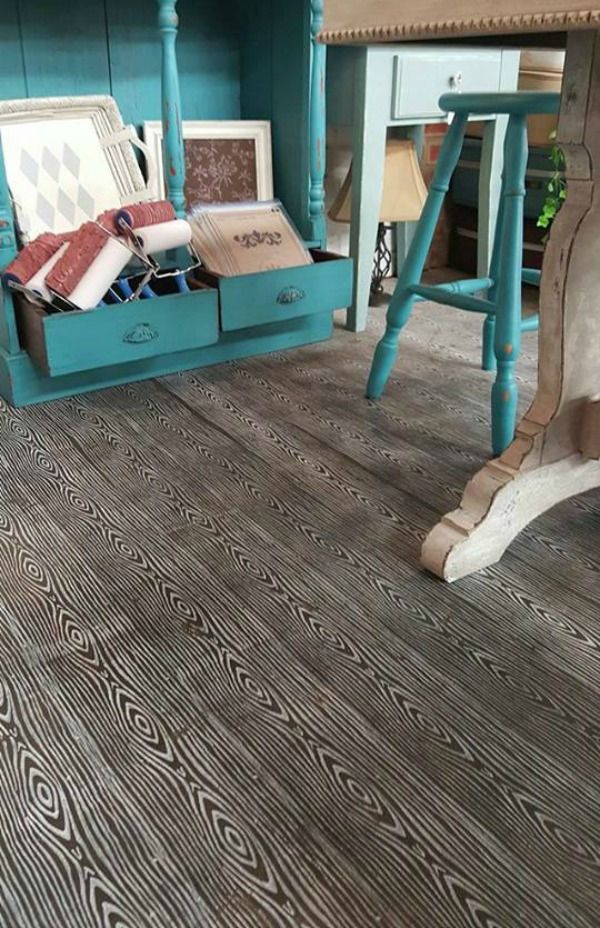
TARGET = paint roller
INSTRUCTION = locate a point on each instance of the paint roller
(88, 267)
(81, 266)
(137, 215)
(154, 226)
(32, 265)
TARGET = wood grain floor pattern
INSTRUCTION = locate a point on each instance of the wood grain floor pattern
(230, 697)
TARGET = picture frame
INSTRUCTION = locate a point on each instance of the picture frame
(226, 160)
(66, 160)
(236, 239)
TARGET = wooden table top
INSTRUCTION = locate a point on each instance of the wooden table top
(368, 21)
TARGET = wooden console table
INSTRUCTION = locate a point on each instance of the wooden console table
(556, 451)
(398, 86)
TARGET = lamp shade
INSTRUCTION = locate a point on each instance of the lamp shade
(404, 190)
(540, 69)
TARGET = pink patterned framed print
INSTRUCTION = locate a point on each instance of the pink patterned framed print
(225, 161)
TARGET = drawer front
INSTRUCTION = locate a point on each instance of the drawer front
(274, 296)
(79, 341)
(420, 80)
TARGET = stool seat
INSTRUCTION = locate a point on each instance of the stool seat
(520, 102)
(497, 296)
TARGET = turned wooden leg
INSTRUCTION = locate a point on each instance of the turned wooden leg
(387, 348)
(488, 358)
(551, 456)
(174, 157)
(402, 301)
(507, 290)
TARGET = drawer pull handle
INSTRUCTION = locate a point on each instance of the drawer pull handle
(290, 295)
(140, 333)
(456, 79)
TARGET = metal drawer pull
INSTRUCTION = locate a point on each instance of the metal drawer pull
(140, 333)
(290, 295)
(456, 79)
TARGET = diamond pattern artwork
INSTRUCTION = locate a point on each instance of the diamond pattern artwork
(58, 174)
(29, 167)
(71, 161)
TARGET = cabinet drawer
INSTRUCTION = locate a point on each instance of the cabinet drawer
(274, 296)
(420, 80)
(63, 343)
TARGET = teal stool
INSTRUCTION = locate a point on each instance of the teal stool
(502, 305)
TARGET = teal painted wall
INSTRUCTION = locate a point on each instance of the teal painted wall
(64, 47)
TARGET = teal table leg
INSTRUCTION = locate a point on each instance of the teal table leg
(368, 150)
(507, 340)
(404, 232)
(402, 301)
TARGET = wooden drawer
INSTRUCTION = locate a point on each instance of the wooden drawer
(274, 296)
(64, 343)
(422, 77)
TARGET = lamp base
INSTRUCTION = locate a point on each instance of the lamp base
(382, 259)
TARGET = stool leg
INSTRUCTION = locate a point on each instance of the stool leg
(507, 340)
(402, 301)
(488, 355)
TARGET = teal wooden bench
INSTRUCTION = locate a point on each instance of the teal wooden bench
(502, 303)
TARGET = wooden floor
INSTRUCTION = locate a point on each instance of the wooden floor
(230, 697)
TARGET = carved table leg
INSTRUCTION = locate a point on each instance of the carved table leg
(545, 463)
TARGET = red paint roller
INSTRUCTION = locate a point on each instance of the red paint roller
(88, 267)
(154, 226)
(32, 265)
(137, 215)
(32, 258)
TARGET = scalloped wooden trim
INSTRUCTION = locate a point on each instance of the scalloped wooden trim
(545, 463)
(529, 22)
(497, 505)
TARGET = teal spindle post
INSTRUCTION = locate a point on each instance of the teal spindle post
(9, 339)
(403, 298)
(173, 152)
(8, 245)
(488, 356)
(507, 297)
(317, 127)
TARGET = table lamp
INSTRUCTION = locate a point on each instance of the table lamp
(403, 197)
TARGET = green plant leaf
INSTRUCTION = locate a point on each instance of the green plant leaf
(556, 188)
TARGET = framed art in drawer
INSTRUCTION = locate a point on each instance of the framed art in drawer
(225, 161)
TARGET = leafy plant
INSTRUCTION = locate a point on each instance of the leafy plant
(556, 190)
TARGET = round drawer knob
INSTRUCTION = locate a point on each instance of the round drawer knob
(456, 79)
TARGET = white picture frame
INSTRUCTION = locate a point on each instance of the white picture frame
(32, 129)
(256, 131)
